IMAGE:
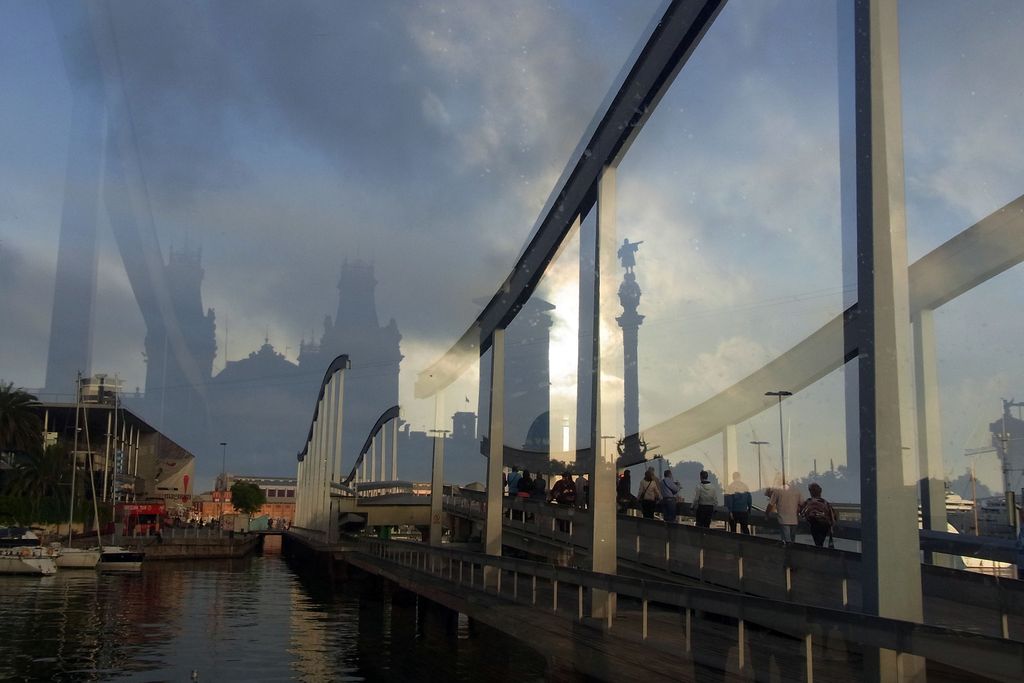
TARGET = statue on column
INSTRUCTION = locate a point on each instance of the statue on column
(632, 448)
(626, 254)
(629, 293)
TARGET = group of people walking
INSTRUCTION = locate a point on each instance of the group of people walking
(663, 494)
(654, 494)
(520, 484)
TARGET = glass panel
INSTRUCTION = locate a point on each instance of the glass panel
(213, 201)
(962, 100)
(732, 268)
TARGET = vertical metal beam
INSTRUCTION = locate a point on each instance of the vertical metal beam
(384, 454)
(339, 415)
(437, 475)
(315, 456)
(891, 563)
(929, 431)
(373, 459)
(602, 479)
(394, 449)
(299, 479)
(321, 516)
(730, 454)
(329, 447)
(496, 454)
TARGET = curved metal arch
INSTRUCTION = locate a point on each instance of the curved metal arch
(391, 413)
(339, 363)
(672, 40)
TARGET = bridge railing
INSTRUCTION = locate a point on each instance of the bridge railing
(653, 611)
(756, 565)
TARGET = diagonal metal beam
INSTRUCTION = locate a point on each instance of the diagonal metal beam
(670, 45)
(979, 253)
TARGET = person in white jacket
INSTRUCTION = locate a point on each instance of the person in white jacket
(705, 498)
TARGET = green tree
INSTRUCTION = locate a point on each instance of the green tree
(247, 497)
(39, 474)
(20, 428)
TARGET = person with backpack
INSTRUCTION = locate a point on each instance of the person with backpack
(649, 494)
(705, 498)
(564, 490)
(669, 496)
(513, 481)
(819, 515)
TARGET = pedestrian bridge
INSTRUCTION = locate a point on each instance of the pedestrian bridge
(749, 565)
(654, 630)
(626, 598)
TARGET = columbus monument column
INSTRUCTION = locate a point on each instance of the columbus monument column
(631, 449)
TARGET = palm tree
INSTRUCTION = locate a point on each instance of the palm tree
(39, 474)
(20, 428)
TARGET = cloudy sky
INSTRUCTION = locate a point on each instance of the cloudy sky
(426, 137)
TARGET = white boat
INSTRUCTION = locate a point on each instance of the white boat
(28, 560)
(76, 558)
(118, 559)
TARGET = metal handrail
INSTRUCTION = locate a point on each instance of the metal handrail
(999, 658)
(736, 562)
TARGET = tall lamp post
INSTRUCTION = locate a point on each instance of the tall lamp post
(759, 444)
(223, 478)
(782, 441)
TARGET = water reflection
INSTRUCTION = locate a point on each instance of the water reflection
(239, 620)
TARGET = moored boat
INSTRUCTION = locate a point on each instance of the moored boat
(28, 560)
(120, 559)
(77, 558)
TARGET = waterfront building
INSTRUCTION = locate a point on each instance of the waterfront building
(132, 459)
(279, 492)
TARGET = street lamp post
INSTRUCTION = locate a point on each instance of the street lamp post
(759, 444)
(223, 479)
(782, 440)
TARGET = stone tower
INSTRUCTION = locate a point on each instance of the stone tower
(371, 385)
(174, 399)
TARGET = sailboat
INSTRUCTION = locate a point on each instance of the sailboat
(113, 558)
(69, 557)
(108, 558)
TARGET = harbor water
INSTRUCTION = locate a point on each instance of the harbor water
(254, 619)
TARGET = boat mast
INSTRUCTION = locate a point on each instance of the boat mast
(74, 456)
(92, 479)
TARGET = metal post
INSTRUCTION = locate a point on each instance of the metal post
(890, 540)
(373, 459)
(339, 413)
(929, 432)
(384, 454)
(760, 485)
(437, 478)
(730, 454)
(782, 437)
(604, 556)
(495, 459)
(394, 449)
